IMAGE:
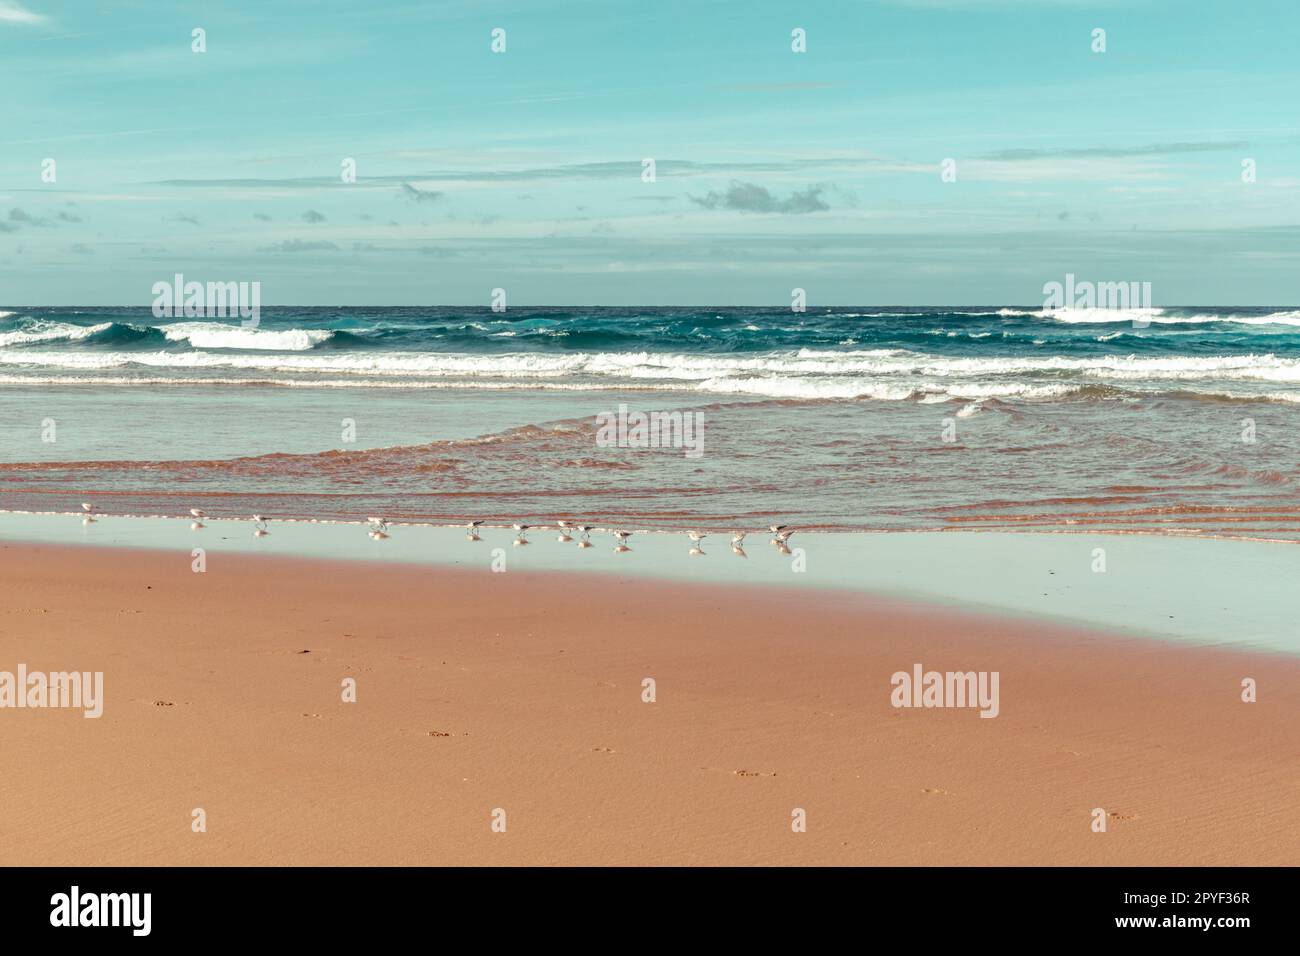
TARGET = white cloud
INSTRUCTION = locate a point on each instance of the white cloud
(11, 12)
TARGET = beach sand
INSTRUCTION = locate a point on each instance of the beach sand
(477, 691)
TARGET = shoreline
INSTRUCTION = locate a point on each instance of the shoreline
(522, 691)
(1178, 588)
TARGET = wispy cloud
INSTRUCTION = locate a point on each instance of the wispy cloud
(1115, 152)
(11, 12)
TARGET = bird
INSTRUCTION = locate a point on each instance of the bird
(378, 528)
(521, 528)
(471, 530)
(622, 536)
(87, 507)
(259, 527)
(784, 536)
(738, 538)
(198, 512)
(777, 528)
(586, 528)
(562, 524)
(199, 515)
(696, 536)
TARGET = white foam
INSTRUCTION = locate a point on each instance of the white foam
(42, 331)
(215, 335)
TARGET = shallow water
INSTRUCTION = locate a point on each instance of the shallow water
(1202, 591)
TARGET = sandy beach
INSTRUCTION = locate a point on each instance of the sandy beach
(523, 691)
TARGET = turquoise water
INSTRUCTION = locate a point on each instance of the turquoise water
(1204, 591)
(1178, 420)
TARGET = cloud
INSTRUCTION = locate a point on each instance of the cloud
(13, 12)
(68, 217)
(750, 197)
(419, 195)
(26, 218)
(262, 216)
(312, 216)
(301, 245)
(1112, 152)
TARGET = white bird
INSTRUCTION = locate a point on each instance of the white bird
(784, 536)
(259, 527)
(521, 528)
(738, 538)
(198, 512)
(87, 507)
(378, 528)
(777, 528)
(696, 536)
(622, 536)
(586, 528)
(562, 524)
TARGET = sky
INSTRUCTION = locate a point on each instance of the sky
(774, 169)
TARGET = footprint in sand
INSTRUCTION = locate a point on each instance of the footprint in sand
(163, 703)
(934, 790)
(1122, 817)
(312, 715)
(603, 750)
(439, 733)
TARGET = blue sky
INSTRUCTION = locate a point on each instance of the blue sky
(775, 169)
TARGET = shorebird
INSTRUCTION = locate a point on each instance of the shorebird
(199, 515)
(378, 528)
(473, 526)
(784, 536)
(738, 538)
(259, 527)
(622, 536)
(586, 528)
(696, 536)
(777, 528)
(87, 507)
(521, 528)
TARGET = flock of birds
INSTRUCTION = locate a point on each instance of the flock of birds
(780, 535)
(378, 531)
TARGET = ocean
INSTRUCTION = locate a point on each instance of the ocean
(1174, 421)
